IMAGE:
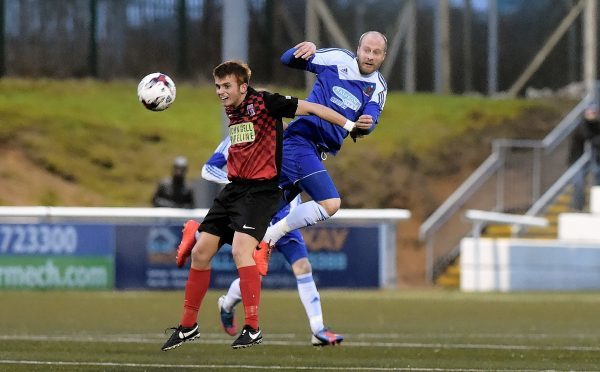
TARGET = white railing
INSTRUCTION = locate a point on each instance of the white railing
(481, 218)
(175, 213)
(513, 177)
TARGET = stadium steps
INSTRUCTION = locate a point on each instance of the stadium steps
(497, 231)
(561, 204)
(450, 278)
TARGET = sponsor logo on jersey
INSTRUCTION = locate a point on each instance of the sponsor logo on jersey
(344, 99)
(240, 133)
(369, 89)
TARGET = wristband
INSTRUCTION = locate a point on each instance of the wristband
(349, 125)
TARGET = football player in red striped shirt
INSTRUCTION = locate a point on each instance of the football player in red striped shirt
(243, 209)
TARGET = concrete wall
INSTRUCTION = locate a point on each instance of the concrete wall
(526, 264)
(582, 227)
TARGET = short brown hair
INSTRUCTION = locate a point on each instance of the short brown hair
(236, 68)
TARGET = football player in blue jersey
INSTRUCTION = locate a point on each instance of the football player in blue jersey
(349, 84)
(291, 246)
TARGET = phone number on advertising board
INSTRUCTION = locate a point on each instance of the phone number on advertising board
(34, 239)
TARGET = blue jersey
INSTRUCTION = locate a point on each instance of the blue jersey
(215, 168)
(341, 87)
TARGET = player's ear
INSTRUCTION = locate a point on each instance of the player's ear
(243, 88)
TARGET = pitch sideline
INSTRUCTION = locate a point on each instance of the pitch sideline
(253, 367)
(219, 340)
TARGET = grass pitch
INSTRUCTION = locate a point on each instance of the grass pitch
(385, 330)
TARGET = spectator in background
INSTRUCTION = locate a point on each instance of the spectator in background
(174, 192)
(587, 133)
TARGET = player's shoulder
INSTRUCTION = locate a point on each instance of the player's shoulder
(270, 97)
(333, 55)
(336, 51)
(255, 94)
(381, 80)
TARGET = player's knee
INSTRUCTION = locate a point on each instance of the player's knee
(301, 266)
(236, 252)
(241, 255)
(331, 206)
(200, 257)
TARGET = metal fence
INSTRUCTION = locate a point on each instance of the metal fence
(511, 179)
(108, 39)
(114, 39)
(111, 39)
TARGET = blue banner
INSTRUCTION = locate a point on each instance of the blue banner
(56, 256)
(341, 256)
(143, 257)
(56, 239)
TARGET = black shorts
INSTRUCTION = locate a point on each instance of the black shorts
(246, 207)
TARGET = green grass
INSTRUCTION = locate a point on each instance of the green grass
(117, 331)
(98, 136)
(420, 122)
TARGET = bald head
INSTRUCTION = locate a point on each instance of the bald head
(374, 36)
(371, 50)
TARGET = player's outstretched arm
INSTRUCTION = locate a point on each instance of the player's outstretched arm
(213, 170)
(327, 114)
(298, 56)
(214, 174)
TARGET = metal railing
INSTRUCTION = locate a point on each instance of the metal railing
(480, 218)
(516, 175)
(560, 184)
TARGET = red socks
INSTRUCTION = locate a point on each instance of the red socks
(250, 288)
(197, 285)
(195, 289)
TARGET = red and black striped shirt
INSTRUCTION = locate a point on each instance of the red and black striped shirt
(255, 130)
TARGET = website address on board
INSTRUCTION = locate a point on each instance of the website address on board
(51, 275)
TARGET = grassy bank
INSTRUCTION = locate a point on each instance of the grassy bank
(97, 137)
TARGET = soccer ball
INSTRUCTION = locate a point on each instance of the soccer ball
(156, 91)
